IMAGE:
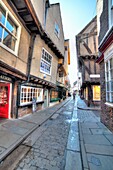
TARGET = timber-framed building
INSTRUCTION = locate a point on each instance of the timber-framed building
(87, 54)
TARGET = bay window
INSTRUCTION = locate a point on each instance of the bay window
(9, 29)
(109, 80)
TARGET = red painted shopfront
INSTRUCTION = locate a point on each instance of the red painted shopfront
(4, 99)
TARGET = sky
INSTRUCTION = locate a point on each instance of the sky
(76, 14)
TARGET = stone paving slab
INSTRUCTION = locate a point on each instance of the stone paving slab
(95, 139)
(73, 161)
(89, 125)
(86, 131)
(101, 125)
(19, 123)
(7, 138)
(110, 137)
(100, 131)
(18, 130)
(99, 149)
(100, 162)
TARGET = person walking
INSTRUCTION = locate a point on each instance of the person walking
(74, 95)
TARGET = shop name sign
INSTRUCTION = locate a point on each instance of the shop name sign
(94, 75)
(5, 78)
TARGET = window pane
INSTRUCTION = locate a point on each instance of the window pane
(111, 85)
(107, 76)
(107, 87)
(112, 97)
(9, 40)
(106, 66)
(2, 15)
(111, 63)
(11, 26)
(111, 72)
(1, 31)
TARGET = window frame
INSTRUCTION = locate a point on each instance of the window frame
(44, 61)
(108, 81)
(27, 98)
(57, 30)
(17, 37)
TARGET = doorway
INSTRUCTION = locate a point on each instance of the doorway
(4, 100)
(46, 104)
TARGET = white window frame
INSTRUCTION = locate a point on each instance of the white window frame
(57, 30)
(45, 62)
(108, 80)
(8, 13)
(110, 7)
(25, 99)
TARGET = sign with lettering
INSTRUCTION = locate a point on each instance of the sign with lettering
(5, 78)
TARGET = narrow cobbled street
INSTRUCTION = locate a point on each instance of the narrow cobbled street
(49, 151)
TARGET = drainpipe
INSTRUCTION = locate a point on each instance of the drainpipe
(31, 47)
(29, 61)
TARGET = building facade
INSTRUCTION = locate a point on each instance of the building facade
(89, 71)
(31, 46)
(105, 60)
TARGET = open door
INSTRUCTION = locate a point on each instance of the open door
(4, 99)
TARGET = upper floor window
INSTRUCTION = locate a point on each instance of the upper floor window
(57, 30)
(9, 29)
(110, 13)
(46, 62)
(109, 80)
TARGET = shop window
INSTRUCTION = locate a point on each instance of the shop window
(96, 93)
(46, 60)
(54, 94)
(109, 80)
(86, 93)
(9, 29)
(28, 93)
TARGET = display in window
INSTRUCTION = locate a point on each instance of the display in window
(28, 93)
(3, 95)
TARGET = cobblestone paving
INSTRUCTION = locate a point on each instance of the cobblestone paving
(48, 153)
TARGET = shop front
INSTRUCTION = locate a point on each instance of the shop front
(30, 95)
(5, 97)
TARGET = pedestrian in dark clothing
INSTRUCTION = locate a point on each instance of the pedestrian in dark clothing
(74, 95)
